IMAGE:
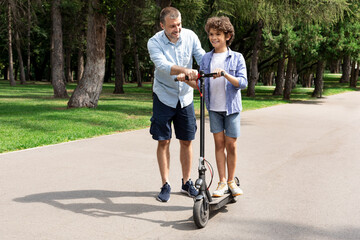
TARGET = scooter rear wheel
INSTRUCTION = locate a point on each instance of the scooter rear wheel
(201, 213)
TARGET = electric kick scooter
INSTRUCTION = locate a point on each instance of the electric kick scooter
(204, 203)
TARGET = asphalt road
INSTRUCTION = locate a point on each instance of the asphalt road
(298, 165)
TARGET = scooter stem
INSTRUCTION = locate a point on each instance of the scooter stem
(202, 116)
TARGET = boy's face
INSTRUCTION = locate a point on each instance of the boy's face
(218, 38)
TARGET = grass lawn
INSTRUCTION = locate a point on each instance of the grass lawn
(31, 117)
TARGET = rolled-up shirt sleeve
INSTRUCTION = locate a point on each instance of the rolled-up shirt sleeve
(241, 73)
(158, 57)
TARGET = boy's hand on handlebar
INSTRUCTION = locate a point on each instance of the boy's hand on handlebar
(219, 72)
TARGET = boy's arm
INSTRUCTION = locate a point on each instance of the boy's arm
(241, 73)
(240, 78)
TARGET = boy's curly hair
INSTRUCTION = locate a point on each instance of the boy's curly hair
(222, 24)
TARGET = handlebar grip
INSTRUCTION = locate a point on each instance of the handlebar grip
(186, 78)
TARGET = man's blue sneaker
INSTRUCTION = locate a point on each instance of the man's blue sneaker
(164, 195)
(189, 189)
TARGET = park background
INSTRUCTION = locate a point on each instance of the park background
(78, 69)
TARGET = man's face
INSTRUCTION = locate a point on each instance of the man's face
(172, 28)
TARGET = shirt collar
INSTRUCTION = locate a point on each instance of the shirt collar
(230, 52)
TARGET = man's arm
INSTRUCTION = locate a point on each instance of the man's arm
(191, 73)
(164, 65)
(192, 83)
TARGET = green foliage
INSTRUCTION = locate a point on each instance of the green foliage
(190, 11)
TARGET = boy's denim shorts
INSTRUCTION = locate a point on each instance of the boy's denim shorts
(184, 121)
(219, 122)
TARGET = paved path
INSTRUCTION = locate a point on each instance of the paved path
(298, 163)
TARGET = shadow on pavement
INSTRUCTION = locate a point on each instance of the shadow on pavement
(100, 203)
(269, 229)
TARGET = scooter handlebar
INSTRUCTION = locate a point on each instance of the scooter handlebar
(200, 75)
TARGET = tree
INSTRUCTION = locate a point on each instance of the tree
(21, 62)
(135, 22)
(57, 57)
(88, 90)
(11, 62)
(119, 46)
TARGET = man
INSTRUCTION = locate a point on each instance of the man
(172, 51)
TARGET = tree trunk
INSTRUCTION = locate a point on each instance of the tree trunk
(354, 75)
(5, 72)
(57, 56)
(136, 60)
(80, 64)
(294, 75)
(288, 78)
(108, 66)
(334, 66)
(21, 63)
(135, 47)
(11, 62)
(119, 43)
(319, 79)
(69, 75)
(352, 71)
(268, 78)
(346, 69)
(28, 66)
(279, 80)
(307, 79)
(88, 91)
(254, 72)
(81, 52)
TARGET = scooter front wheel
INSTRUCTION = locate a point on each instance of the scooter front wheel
(201, 213)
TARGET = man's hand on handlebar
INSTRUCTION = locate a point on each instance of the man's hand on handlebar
(188, 75)
(181, 77)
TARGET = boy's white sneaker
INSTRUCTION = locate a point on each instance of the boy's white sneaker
(235, 189)
(221, 189)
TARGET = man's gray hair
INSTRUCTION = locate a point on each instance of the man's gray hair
(172, 12)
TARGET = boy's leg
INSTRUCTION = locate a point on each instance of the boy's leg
(219, 139)
(231, 156)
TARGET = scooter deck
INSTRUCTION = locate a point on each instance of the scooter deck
(219, 202)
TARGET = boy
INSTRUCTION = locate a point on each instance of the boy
(223, 99)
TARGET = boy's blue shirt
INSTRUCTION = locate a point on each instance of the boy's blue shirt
(235, 65)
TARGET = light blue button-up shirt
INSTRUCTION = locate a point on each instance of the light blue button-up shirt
(164, 55)
(235, 65)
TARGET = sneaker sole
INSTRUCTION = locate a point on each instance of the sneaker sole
(217, 195)
(238, 194)
(187, 193)
(157, 198)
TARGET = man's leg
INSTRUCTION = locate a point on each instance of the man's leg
(163, 157)
(186, 163)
